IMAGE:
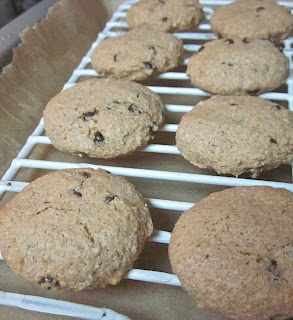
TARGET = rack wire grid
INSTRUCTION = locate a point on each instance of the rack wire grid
(117, 26)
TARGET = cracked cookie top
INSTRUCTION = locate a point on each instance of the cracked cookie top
(233, 253)
(137, 55)
(76, 228)
(103, 118)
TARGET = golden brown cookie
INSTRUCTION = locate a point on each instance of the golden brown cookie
(234, 134)
(103, 118)
(76, 229)
(233, 253)
(238, 67)
(165, 15)
(254, 19)
(137, 54)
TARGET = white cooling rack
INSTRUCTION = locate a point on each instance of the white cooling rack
(8, 184)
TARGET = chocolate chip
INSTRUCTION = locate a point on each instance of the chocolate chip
(130, 108)
(86, 174)
(273, 141)
(229, 41)
(230, 64)
(88, 115)
(234, 104)
(273, 269)
(77, 193)
(164, 19)
(277, 106)
(137, 96)
(253, 91)
(49, 280)
(245, 40)
(260, 9)
(200, 49)
(8, 184)
(109, 198)
(98, 137)
(133, 108)
(148, 65)
(115, 57)
(151, 128)
(280, 46)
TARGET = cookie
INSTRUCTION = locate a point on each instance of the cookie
(103, 118)
(137, 55)
(76, 228)
(255, 19)
(236, 134)
(165, 15)
(238, 67)
(233, 253)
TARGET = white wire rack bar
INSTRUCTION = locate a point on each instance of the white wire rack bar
(8, 184)
(143, 173)
(58, 307)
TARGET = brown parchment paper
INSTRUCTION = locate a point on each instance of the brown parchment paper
(41, 65)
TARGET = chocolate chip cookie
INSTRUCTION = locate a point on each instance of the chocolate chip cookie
(103, 118)
(234, 135)
(238, 67)
(137, 55)
(233, 253)
(76, 229)
(255, 19)
(165, 15)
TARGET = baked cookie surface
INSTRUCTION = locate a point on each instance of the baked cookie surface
(137, 55)
(76, 228)
(165, 15)
(233, 253)
(236, 134)
(255, 19)
(103, 118)
(238, 67)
